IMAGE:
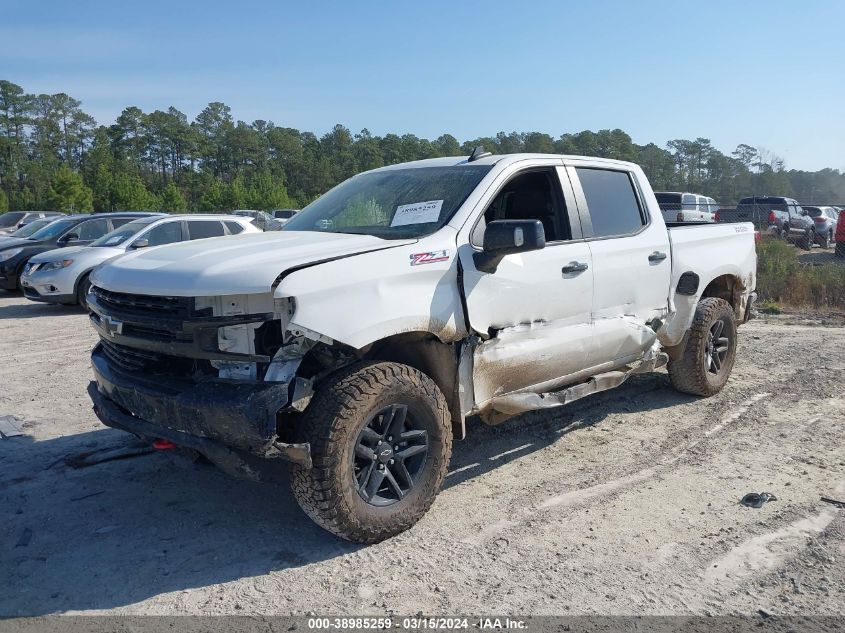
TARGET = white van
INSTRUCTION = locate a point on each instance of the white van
(680, 206)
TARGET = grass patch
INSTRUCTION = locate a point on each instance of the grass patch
(782, 279)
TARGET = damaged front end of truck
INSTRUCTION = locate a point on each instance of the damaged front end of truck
(222, 376)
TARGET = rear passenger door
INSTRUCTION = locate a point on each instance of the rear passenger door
(631, 261)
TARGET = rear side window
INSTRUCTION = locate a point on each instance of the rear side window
(611, 201)
(166, 233)
(689, 202)
(92, 229)
(201, 229)
(234, 227)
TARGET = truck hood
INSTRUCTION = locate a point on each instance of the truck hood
(237, 264)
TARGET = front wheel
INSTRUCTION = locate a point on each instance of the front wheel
(709, 350)
(381, 438)
(82, 292)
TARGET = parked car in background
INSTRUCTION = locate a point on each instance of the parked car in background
(774, 215)
(27, 229)
(678, 206)
(61, 275)
(283, 215)
(73, 230)
(826, 219)
(261, 219)
(11, 221)
(839, 236)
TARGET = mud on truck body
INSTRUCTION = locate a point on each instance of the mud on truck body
(355, 342)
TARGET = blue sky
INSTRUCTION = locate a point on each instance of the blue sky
(767, 73)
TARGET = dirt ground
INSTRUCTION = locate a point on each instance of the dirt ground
(623, 503)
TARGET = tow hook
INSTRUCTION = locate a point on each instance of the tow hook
(163, 445)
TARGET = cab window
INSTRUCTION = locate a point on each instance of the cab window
(611, 201)
(531, 195)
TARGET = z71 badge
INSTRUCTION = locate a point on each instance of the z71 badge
(429, 258)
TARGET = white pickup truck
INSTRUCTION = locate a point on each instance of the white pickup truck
(355, 342)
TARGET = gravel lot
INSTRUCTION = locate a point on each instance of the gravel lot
(623, 503)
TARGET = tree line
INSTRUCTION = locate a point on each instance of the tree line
(54, 156)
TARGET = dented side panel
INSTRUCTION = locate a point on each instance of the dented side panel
(535, 317)
(364, 299)
(711, 251)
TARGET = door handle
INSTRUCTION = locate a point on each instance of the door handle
(574, 267)
(657, 256)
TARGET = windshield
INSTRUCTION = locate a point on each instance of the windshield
(54, 229)
(32, 227)
(391, 204)
(10, 219)
(119, 236)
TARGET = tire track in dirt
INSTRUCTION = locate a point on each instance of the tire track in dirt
(591, 493)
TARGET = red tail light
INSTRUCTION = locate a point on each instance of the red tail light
(772, 217)
(758, 236)
(716, 216)
(819, 220)
(680, 217)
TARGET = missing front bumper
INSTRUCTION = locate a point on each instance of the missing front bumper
(217, 418)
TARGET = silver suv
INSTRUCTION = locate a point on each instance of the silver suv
(61, 275)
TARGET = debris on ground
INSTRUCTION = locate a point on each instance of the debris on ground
(9, 426)
(838, 504)
(757, 499)
(92, 458)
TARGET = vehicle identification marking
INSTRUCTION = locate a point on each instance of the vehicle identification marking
(430, 257)
(417, 213)
(113, 326)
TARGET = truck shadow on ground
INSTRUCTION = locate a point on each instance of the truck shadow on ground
(121, 532)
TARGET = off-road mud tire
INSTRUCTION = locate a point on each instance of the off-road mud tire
(331, 425)
(689, 373)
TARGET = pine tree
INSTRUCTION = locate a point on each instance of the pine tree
(68, 193)
(172, 199)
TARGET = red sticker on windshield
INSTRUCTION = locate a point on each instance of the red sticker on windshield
(430, 257)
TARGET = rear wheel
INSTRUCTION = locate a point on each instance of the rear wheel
(806, 242)
(709, 350)
(826, 239)
(380, 436)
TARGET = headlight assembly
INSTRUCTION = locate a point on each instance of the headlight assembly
(64, 263)
(4, 255)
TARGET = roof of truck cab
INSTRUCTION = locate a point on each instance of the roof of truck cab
(495, 159)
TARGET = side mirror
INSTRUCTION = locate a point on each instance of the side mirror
(506, 237)
(142, 243)
(70, 237)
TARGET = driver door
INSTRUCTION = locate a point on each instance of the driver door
(534, 310)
